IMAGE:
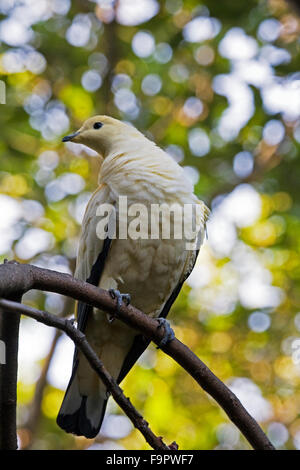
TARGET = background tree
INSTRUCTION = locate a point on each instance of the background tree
(217, 85)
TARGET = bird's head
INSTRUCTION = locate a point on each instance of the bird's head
(100, 133)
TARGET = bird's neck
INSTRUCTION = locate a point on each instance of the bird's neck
(143, 169)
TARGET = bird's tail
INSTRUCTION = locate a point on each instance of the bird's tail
(82, 411)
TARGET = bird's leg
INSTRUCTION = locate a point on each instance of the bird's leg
(169, 333)
(116, 294)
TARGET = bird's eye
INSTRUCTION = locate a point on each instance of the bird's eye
(97, 125)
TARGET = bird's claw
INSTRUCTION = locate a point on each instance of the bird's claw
(169, 334)
(116, 294)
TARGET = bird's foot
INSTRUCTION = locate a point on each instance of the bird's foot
(169, 334)
(116, 294)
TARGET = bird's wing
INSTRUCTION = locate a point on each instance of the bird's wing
(82, 414)
(83, 309)
(93, 251)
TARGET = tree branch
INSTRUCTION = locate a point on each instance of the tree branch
(22, 278)
(9, 333)
(81, 343)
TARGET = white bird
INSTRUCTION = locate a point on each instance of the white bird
(151, 270)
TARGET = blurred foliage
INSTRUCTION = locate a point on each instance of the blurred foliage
(217, 85)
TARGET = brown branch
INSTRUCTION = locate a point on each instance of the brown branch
(9, 333)
(81, 343)
(14, 278)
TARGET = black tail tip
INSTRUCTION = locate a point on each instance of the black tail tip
(78, 423)
(79, 427)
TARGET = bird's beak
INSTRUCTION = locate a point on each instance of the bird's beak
(67, 138)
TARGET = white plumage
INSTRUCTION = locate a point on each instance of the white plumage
(150, 270)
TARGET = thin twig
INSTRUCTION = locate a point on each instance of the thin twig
(81, 342)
